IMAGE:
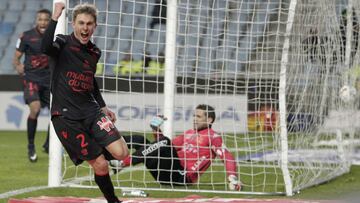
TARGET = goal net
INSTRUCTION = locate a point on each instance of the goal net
(272, 70)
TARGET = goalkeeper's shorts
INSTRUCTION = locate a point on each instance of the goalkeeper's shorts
(85, 139)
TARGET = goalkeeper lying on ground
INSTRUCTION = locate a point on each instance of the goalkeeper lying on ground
(181, 160)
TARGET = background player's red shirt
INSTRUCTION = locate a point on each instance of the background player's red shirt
(196, 150)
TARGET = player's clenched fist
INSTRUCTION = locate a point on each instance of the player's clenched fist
(59, 7)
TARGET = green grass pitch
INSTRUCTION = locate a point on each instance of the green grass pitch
(16, 172)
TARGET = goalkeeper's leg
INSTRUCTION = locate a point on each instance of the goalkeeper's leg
(133, 142)
(136, 141)
(160, 158)
(145, 153)
(150, 152)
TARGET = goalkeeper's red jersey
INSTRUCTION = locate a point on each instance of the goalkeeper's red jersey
(196, 150)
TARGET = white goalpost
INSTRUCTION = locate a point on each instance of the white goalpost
(55, 154)
(273, 70)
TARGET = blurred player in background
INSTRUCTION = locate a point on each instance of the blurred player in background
(36, 76)
(183, 159)
(79, 114)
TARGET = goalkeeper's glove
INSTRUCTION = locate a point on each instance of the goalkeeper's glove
(234, 183)
(156, 122)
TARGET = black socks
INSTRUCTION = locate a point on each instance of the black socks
(31, 129)
(106, 187)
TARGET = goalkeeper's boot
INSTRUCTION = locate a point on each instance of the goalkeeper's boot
(116, 165)
(32, 153)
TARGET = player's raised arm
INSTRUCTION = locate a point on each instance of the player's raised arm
(155, 125)
(59, 7)
(47, 45)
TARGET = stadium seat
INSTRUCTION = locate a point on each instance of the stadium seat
(101, 19)
(21, 27)
(125, 32)
(115, 5)
(6, 62)
(6, 28)
(100, 31)
(2, 51)
(101, 5)
(137, 47)
(3, 8)
(28, 16)
(33, 5)
(129, 7)
(72, 4)
(113, 19)
(139, 34)
(113, 56)
(12, 42)
(112, 31)
(100, 42)
(124, 45)
(112, 44)
(111, 59)
(139, 8)
(158, 34)
(148, 11)
(153, 49)
(233, 28)
(11, 16)
(142, 21)
(127, 20)
(4, 39)
(16, 5)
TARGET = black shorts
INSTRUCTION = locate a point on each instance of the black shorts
(36, 92)
(85, 139)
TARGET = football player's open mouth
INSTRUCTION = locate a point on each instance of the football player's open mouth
(42, 29)
(84, 35)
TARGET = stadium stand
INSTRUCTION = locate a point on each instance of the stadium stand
(134, 33)
(16, 16)
(32, 5)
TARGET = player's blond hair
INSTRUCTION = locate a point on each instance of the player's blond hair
(85, 8)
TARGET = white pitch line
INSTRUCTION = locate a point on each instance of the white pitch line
(21, 191)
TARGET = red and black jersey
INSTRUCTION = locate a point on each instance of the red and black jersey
(75, 92)
(36, 63)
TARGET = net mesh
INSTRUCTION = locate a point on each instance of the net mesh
(228, 55)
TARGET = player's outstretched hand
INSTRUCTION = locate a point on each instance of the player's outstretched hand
(59, 7)
(109, 113)
(157, 121)
(234, 183)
